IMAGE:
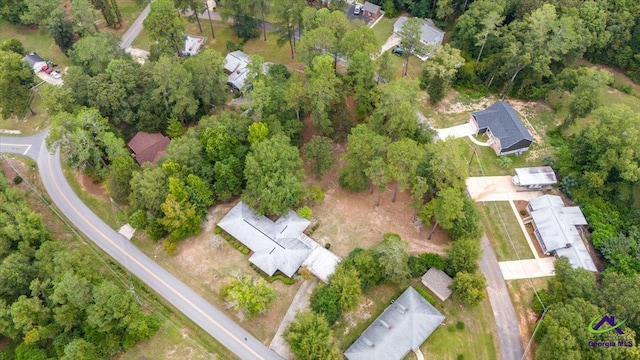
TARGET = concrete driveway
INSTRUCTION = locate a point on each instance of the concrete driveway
(455, 132)
(393, 41)
(497, 188)
(527, 269)
(48, 78)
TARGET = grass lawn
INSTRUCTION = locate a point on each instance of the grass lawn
(521, 292)
(383, 29)
(271, 52)
(476, 341)
(486, 161)
(30, 124)
(441, 120)
(34, 40)
(508, 241)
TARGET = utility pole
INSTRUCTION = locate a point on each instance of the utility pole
(210, 23)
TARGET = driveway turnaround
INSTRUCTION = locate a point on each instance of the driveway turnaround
(497, 188)
(506, 321)
(455, 132)
(527, 269)
(190, 303)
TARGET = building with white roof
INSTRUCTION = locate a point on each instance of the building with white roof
(535, 177)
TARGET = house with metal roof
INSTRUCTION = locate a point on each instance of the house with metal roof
(539, 177)
(438, 282)
(236, 64)
(192, 44)
(430, 34)
(402, 327)
(148, 147)
(504, 128)
(557, 229)
(34, 61)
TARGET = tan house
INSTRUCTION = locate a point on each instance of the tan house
(505, 131)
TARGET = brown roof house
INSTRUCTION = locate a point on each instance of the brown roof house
(148, 147)
(371, 10)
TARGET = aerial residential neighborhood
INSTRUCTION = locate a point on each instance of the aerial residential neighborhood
(293, 179)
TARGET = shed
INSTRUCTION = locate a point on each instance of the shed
(556, 229)
(148, 147)
(504, 128)
(438, 282)
(535, 177)
(371, 10)
(403, 326)
(34, 61)
(192, 44)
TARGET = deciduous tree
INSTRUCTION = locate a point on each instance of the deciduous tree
(15, 80)
(463, 256)
(393, 258)
(165, 26)
(411, 33)
(94, 53)
(310, 337)
(319, 152)
(469, 288)
(345, 282)
(247, 295)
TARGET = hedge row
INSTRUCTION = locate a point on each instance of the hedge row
(236, 244)
(426, 295)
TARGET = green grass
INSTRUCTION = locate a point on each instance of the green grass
(271, 52)
(478, 339)
(486, 161)
(383, 29)
(30, 124)
(522, 297)
(102, 207)
(500, 235)
(142, 41)
(34, 40)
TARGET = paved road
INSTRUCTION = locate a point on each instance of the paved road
(135, 29)
(194, 306)
(506, 321)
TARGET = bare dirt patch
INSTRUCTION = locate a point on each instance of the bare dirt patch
(528, 109)
(451, 104)
(90, 186)
(349, 220)
(361, 313)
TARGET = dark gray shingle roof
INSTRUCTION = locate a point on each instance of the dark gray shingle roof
(403, 326)
(504, 123)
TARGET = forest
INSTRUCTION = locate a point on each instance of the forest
(524, 49)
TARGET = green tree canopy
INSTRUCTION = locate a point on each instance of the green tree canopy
(310, 338)
(15, 80)
(319, 152)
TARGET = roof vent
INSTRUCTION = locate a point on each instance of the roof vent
(368, 342)
(385, 324)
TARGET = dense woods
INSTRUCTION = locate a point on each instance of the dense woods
(54, 303)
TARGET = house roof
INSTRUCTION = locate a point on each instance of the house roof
(430, 35)
(275, 245)
(556, 227)
(403, 326)
(236, 65)
(148, 147)
(504, 123)
(369, 7)
(34, 60)
(438, 282)
(540, 175)
(192, 44)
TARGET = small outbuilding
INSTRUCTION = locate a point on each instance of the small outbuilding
(34, 61)
(558, 230)
(402, 327)
(539, 177)
(502, 125)
(148, 147)
(438, 282)
(372, 11)
(192, 44)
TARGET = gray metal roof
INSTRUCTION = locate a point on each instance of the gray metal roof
(403, 326)
(504, 123)
(275, 245)
(540, 175)
(192, 44)
(556, 227)
(34, 60)
(438, 282)
(430, 35)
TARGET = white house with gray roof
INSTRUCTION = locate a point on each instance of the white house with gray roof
(538, 177)
(430, 34)
(402, 327)
(557, 229)
(504, 128)
(278, 245)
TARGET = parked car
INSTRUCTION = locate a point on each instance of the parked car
(56, 74)
(357, 9)
(47, 69)
(398, 51)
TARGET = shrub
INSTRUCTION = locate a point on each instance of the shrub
(460, 325)
(523, 212)
(315, 194)
(312, 229)
(217, 230)
(324, 301)
(451, 328)
(305, 212)
(305, 273)
(434, 260)
(17, 179)
(426, 295)
(423, 262)
(460, 357)
(169, 247)
(138, 220)
(327, 246)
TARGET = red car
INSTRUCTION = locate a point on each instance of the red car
(47, 69)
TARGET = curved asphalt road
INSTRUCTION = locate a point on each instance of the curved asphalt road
(194, 306)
